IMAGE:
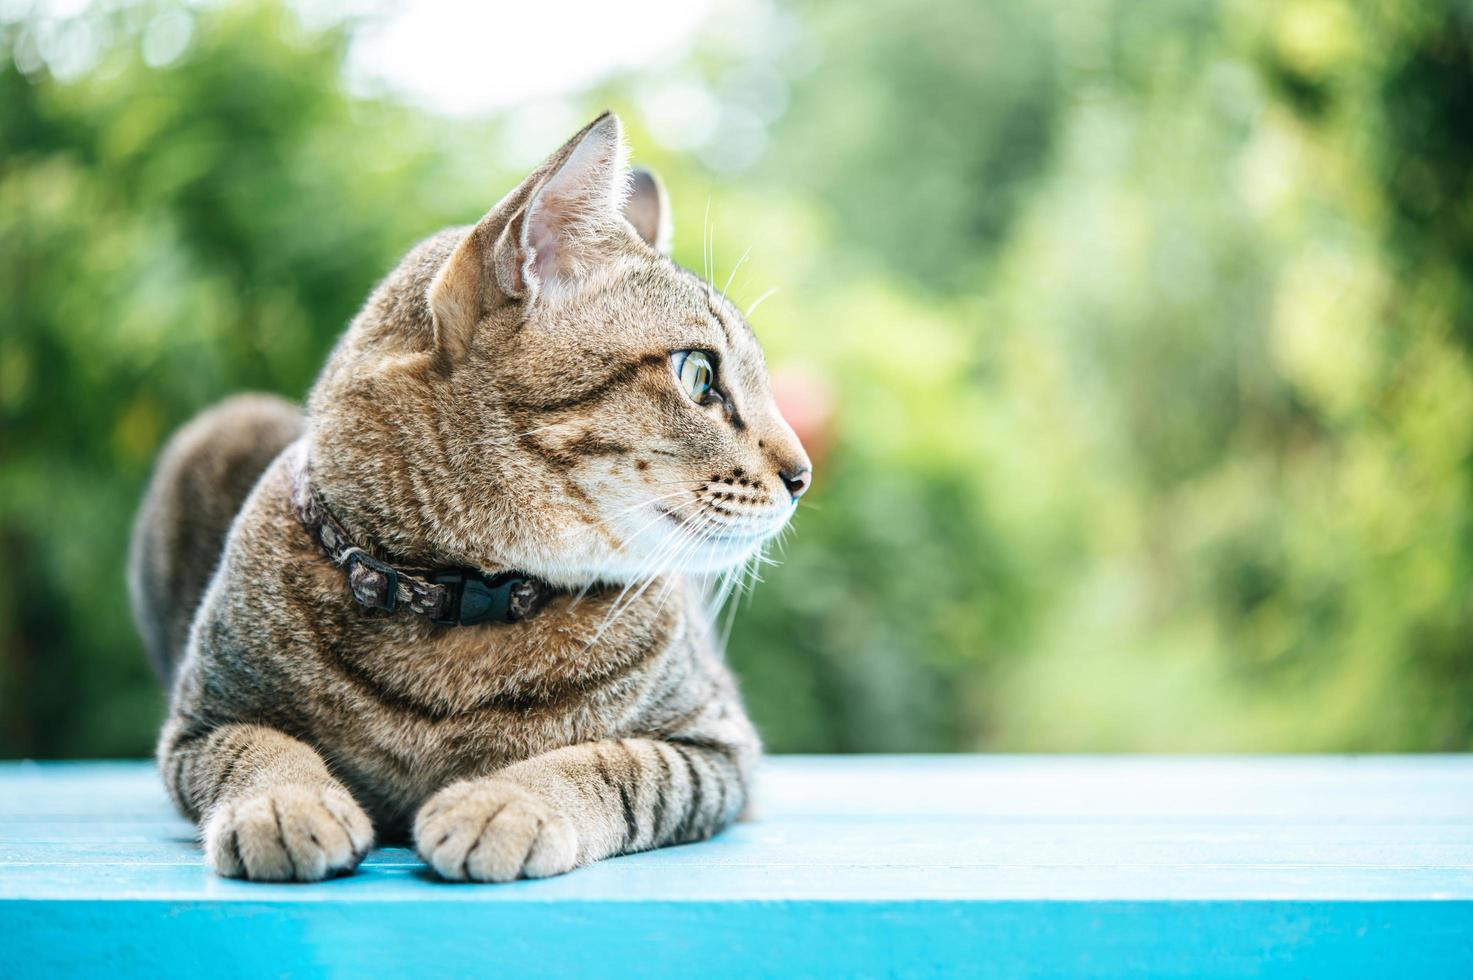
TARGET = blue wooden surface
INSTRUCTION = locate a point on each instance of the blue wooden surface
(873, 866)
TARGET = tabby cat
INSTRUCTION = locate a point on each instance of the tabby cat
(455, 601)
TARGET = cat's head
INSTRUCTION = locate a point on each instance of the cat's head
(548, 391)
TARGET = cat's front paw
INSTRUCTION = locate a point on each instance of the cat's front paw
(494, 830)
(288, 833)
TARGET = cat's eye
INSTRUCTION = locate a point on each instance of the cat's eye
(696, 374)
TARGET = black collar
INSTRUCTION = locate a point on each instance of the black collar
(447, 596)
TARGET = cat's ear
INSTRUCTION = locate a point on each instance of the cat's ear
(648, 209)
(541, 238)
(577, 212)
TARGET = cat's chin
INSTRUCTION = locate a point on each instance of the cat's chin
(711, 559)
(714, 556)
(718, 556)
(723, 556)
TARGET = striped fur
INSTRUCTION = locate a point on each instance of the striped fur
(479, 414)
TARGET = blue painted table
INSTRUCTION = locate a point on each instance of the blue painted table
(896, 865)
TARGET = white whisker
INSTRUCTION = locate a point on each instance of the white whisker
(759, 301)
(671, 557)
(724, 637)
(643, 577)
(678, 575)
(706, 248)
(734, 272)
(550, 425)
(645, 503)
(678, 561)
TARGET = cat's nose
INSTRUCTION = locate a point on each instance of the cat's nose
(796, 480)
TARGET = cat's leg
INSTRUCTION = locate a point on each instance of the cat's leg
(267, 807)
(565, 808)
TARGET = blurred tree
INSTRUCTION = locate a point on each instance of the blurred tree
(170, 234)
(930, 122)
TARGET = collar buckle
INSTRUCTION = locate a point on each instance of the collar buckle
(476, 599)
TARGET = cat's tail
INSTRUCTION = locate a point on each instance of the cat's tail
(202, 477)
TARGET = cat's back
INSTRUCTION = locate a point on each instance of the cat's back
(198, 484)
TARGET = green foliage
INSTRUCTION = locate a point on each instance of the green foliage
(168, 236)
(1148, 324)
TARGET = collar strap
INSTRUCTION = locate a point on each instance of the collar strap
(447, 596)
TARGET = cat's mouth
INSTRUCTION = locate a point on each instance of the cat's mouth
(724, 535)
(722, 545)
(738, 539)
